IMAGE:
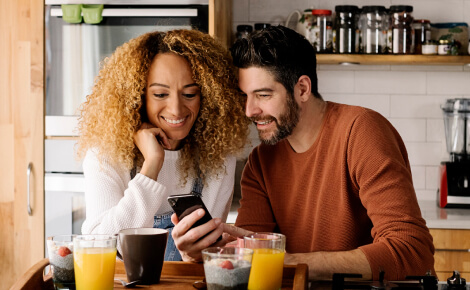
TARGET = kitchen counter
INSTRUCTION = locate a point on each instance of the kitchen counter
(444, 218)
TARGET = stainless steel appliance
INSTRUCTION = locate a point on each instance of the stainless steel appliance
(454, 189)
(74, 51)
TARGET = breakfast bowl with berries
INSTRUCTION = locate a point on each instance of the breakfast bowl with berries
(60, 252)
(227, 268)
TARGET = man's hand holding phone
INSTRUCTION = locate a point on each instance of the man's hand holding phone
(191, 241)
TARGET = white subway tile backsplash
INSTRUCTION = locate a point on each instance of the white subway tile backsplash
(266, 10)
(434, 10)
(411, 130)
(419, 176)
(435, 130)
(420, 153)
(417, 106)
(240, 10)
(432, 177)
(448, 83)
(335, 81)
(440, 68)
(380, 82)
(426, 195)
(379, 103)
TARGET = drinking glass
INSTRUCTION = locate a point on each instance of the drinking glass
(227, 267)
(60, 251)
(268, 260)
(94, 260)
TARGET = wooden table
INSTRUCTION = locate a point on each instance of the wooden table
(175, 275)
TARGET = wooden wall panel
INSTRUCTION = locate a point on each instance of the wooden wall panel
(22, 135)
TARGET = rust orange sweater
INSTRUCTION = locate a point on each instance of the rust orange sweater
(351, 189)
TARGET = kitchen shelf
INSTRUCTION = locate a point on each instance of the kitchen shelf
(348, 59)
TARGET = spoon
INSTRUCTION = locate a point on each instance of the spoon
(130, 284)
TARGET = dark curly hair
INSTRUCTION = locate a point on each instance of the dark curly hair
(114, 110)
(285, 53)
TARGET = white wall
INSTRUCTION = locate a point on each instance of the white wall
(409, 96)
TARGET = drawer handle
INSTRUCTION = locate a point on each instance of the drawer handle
(28, 173)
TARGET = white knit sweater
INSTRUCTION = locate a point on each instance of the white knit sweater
(115, 202)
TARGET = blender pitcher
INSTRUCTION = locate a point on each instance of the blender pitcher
(456, 123)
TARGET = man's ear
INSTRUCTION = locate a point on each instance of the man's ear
(305, 86)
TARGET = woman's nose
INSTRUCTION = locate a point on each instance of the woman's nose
(174, 105)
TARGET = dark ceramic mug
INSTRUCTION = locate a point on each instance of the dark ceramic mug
(143, 253)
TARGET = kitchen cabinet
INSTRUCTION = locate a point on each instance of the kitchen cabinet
(452, 252)
(393, 59)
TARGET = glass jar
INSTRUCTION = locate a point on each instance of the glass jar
(373, 29)
(402, 29)
(444, 47)
(261, 26)
(422, 28)
(243, 31)
(429, 47)
(321, 31)
(345, 28)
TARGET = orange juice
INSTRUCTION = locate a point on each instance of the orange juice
(266, 269)
(94, 268)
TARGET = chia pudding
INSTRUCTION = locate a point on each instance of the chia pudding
(61, 260)
(227, 274)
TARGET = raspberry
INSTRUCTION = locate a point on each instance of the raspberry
(64, 251)
(226, 265)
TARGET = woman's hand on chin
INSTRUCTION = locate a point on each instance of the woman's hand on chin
(151, 142)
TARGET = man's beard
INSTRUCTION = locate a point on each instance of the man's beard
(285, 125)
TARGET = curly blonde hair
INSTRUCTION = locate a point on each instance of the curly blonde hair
(114, 110)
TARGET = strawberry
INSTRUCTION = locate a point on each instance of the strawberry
(226, 265)
(64, 251)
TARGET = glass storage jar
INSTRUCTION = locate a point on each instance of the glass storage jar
(243, 31)
(422, 28)
(373, 29)
(402, 29)
(345, 28)
(321, 31)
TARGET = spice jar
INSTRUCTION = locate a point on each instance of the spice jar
(444, 47)
(321, 31)
(429, 47)
(402, 29)
(373, 29)
(243, 31)
(422, 28)
(345, 28)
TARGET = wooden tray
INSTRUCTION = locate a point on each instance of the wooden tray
(175, 275)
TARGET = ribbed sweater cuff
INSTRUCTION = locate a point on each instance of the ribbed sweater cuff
(380, 259)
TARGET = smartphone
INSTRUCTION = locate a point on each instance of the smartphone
(185, 204)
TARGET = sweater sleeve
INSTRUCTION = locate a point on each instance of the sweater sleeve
(113, 202)
(380, 170)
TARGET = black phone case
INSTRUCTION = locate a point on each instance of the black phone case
(185, 204)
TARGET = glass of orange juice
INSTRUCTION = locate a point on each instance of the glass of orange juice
(268, 260)
(94, 259)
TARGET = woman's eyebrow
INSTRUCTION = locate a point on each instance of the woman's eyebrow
(159, 85)
(191, 85)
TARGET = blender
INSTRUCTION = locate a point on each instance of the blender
(454, 187)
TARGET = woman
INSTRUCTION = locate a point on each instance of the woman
(164, 118)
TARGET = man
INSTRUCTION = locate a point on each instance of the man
(335, 179)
